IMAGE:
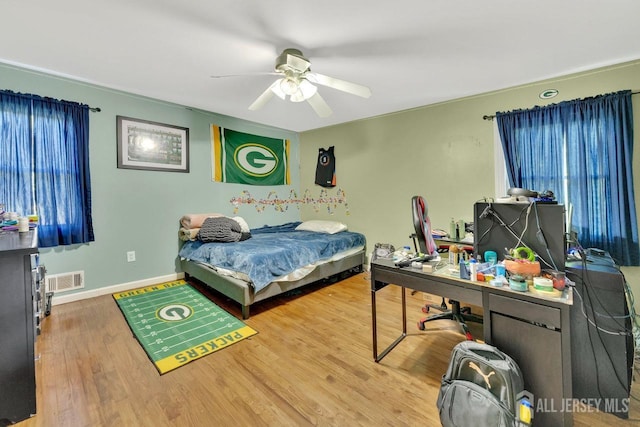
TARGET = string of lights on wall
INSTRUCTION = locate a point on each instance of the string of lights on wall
(324, 200)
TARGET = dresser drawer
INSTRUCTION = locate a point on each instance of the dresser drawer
(525, 310)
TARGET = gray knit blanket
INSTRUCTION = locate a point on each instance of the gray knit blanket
(221, 229)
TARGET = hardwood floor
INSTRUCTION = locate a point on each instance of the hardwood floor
(310, 364)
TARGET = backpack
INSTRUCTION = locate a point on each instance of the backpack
(483, 387)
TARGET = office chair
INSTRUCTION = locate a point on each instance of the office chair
(427, 245)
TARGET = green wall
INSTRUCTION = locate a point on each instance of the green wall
(137, 210)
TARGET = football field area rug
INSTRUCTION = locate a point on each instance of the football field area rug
(176, 324)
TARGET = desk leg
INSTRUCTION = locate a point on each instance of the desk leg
(404, 311)
(374, 325)
(378, 357)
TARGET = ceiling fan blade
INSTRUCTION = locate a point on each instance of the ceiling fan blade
(338, 84)
(263, 98)
(276, 87)
(273, 89)
(319, 105)
(245, 75)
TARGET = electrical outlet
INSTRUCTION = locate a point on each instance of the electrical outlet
(131, 256)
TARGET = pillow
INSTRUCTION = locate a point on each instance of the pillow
(243, 224)
(320, 226)
(220, 229)
(196, 220)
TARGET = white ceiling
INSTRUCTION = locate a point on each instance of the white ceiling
(410, 53)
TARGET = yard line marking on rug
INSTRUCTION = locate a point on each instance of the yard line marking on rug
(197, 337)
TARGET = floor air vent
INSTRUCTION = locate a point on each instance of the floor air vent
(65, 282)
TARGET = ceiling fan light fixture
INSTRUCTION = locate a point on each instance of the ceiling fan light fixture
(289, 85)
(307, 89)
(297, 97)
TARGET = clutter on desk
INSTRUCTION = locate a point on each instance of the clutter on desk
(457, 253)
(497, 282)
(518, 283)
(464, 270)
(402, 254)
(521, 195)
(473, 269)
(404, 258)
(523, 267)
(459, 231)
(491, 257)
(383, 250)
(557, 277)
(519, 271)
(11, 221)
(437, 233)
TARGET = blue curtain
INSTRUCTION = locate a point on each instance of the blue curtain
(582, 150)
(16, 192)
(52, 166)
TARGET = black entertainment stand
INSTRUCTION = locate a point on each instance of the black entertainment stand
(602, 360)
(18, 326)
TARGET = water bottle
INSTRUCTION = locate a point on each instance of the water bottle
(453, 255)
(526, 410)
(461, 230)
(452, 230)
(473, 269)
(500, 270)
(464, 271)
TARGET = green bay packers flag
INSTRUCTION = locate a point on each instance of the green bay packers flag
(243, 158)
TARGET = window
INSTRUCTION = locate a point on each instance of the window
(44, 165)
(582, 151)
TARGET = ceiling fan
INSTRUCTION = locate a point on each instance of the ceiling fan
(297, 82)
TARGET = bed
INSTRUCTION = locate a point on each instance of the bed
(273, 260)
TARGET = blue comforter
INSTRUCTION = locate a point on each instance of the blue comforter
(272, 251)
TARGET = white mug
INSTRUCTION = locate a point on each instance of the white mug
(23, 224)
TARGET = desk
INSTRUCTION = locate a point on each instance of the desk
(533, 330)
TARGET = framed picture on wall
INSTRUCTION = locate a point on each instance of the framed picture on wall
(147, 145)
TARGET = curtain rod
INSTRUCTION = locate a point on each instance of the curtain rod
(31, 96)
(92, 109)
(491, 117)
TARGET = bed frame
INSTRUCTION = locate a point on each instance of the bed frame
(243, 292)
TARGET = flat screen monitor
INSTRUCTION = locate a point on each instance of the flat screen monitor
(500, 227)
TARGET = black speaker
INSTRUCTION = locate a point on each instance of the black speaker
(602, 344)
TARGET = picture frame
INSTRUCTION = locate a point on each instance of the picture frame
(147, 145)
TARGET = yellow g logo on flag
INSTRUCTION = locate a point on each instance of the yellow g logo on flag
(255, 159)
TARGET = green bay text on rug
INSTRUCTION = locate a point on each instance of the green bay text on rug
(176, 324)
